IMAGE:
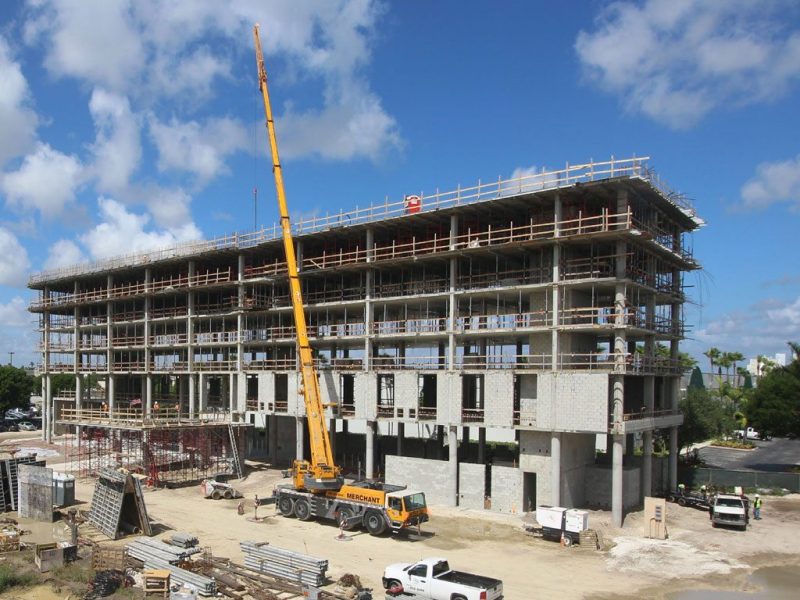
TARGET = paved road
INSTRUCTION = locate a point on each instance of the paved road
(779, 454)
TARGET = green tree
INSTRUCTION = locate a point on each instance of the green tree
(16, 387)
(725, 362)
(704, 417)
(735, 357)
(696, 380)
(62, 382)
(712, 354)
(774, 406)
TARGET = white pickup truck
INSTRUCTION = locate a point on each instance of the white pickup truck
(748, 434)
(433, 579)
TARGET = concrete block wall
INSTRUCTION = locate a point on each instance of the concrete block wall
(528, 398)
(471, 485)
(448, 398)
(406, 393)
(577, 453)
(573, 402)
(499, 399)
(534, 457)
(598, 487)
(240, 381)
(429, 476)
(329, 390)
(365, 390)
(507, 489)
(266, 391)
(296, 402)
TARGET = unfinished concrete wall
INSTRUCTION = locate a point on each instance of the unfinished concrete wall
(528, 395)
(365, 395)
(534, 457)
(266, 392)
(507, 489)
(429, 476)
(35, 488)
(329, 391)
(405, 393)
(598, 487)
(287, 438)
(499, 399)
(577, 452)
(471, 485)
(573, 402)
(448, 398)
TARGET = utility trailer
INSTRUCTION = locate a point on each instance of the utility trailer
(692, 499)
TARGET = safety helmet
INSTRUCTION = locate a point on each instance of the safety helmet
(757, 495)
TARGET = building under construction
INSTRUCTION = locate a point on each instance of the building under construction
(547, 308)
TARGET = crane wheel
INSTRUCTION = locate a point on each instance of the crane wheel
(302, 509)
(344, 515)
(375, 523)
(286, 506)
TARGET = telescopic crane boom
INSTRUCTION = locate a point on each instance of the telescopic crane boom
(320, 473)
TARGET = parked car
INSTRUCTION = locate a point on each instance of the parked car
(26, 426)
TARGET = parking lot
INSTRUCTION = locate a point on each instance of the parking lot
(776, 455)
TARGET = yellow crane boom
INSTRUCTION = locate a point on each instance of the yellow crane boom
(320, 473)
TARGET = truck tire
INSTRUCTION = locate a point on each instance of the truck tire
(302, 509)
(394, 587)
(286, 506)
(344, 515)
(374, 522)
(458, 597)
(567, 541)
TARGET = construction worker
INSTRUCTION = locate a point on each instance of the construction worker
(155, 406)
(104, 407)
(757, 508)
(704, 492)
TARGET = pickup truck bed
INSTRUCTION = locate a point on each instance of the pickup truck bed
(469, 579)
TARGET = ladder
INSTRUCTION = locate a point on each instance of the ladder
(237, 464)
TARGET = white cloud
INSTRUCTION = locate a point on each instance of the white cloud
(15, 313)
(18, 120)
(122, 232)
(117, 147)
(763, 328)
(14, 261)
(46, 181)
(197, 148)
(676, 60)
(155, 49)
(63, 253)
(773, 183)
(169, 207)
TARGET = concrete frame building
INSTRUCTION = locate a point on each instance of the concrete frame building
(549, 305)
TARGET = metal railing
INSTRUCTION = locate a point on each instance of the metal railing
(482, 192)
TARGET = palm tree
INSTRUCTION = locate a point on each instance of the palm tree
(735, 358)
(725, 361)
(712, 354)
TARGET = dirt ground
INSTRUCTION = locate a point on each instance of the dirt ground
(695, 556)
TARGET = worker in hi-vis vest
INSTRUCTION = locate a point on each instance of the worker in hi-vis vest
(757, 508)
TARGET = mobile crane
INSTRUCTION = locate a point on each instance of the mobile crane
(318, 489)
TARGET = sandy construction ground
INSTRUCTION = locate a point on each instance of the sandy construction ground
(695, 556)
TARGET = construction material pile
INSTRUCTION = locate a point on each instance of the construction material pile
(277, 562)
(144, 549)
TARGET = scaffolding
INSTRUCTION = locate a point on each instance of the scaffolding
(166, 453)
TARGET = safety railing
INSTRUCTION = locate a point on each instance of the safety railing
(648, 414)
(482, 192)
(390, 363)
(425, 413)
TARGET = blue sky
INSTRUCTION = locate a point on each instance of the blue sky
(127, 125)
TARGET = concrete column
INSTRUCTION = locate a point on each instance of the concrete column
(555, 317)
(481, 445)
(617, 398)
(300, 429)
(555, 465)
(273, 439)
(370, 286)
(234, 394)
(47, 425)
(192, 393)
(616, 480)
(332, 434)
(673, 458)
(148, 394)
(110, 394)
(647, 464)
(452, 306)
(369, 459)
(401, 432)
(240, 315)
(78, 391)
(452, 440)
(202, 392)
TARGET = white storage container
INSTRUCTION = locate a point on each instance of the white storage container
(550, 516)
